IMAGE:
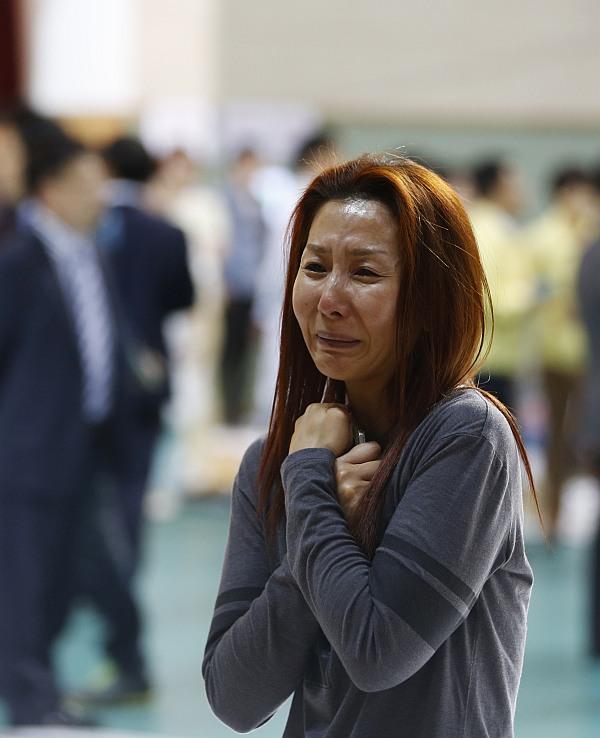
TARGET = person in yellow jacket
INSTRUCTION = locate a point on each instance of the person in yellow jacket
(508, 270)
(556, 241)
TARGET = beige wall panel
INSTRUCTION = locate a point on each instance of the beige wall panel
(456, 60)
(178, 49)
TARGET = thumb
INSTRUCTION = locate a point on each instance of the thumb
(362, 452)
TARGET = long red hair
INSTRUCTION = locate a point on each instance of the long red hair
(441, 320)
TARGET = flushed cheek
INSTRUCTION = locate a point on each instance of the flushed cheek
(301, 307)
(304, 301)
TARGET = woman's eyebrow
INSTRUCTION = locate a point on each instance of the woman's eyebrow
(355, 251)
(316, 248)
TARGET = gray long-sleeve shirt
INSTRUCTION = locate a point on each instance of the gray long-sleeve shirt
(424, 641)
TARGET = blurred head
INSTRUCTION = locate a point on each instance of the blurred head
(177, 169)
(499, 182)
(127, 158)
(68, 179)
(12, 163)
(315, 153)
(462, 183)
(244, 165)
(573, 190)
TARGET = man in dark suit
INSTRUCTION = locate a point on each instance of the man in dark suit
(148, 256)
(148, 261)
(61, 384)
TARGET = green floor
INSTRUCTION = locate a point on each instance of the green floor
(560, 693)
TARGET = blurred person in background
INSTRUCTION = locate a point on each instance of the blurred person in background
(461, 180)
(241, 267)
(12, 170)
(130, 169)
(192, 455)
(148, 256)
(375, 567)
(62, 383)
(588, 432)
(498, 200)
(277, 189)
(458, 178)
(172, 174)
(148, 265)
(555, 242)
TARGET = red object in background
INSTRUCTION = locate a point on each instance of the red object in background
(10, 56)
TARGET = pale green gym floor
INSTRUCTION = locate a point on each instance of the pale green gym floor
(560, 692)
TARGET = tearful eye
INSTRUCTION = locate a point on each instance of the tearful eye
(365, 272)
(313, 266)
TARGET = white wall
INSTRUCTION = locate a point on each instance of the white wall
(210, 74)
(426, 59)
(83, 56)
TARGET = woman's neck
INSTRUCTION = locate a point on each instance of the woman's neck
(371, 411)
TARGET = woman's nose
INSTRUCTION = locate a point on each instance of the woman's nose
(333, 299)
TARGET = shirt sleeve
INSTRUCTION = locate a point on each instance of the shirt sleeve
(385, 618)
(262, 629)
(177, 289)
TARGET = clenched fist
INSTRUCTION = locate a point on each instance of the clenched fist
(323, 425)
(354, 470)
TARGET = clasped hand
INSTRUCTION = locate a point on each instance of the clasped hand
(329, 425)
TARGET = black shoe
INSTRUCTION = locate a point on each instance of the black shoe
(126, 687)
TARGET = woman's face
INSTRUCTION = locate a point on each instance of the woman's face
(346, 291)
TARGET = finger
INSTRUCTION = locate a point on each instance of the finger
(329, 406)
(325, 408)
(362, 452)
(352, 488)
(367, 470)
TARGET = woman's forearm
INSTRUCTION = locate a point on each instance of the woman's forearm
(257, 651)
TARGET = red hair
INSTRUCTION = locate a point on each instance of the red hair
(441, 320)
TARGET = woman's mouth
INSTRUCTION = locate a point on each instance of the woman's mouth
(330, 340)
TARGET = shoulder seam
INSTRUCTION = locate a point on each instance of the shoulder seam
(460, 434)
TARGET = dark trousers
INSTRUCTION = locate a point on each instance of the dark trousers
(38, 541)
(561, 392)
(235, 356)
(104, 579)
(134, 483)
(110, 553)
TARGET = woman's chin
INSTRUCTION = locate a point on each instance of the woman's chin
(333, 374)
(332, 369)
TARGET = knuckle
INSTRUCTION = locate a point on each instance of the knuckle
(343, 484)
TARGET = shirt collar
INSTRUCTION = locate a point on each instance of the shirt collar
(123, 192)
(62, 240)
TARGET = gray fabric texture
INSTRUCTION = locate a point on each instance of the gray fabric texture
(424, 641)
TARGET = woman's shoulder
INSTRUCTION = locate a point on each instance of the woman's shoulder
(467, 412)
(250, 463)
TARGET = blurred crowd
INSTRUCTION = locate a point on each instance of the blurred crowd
(138, 293)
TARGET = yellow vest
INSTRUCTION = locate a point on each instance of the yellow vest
(509, 273)
(556, 247)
